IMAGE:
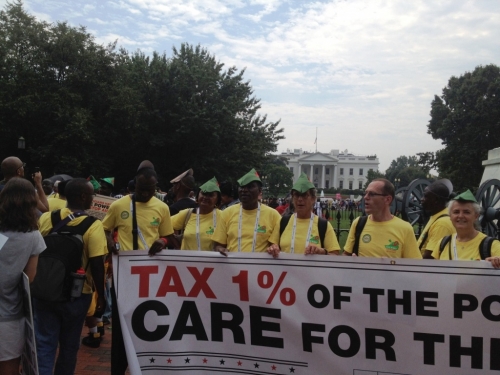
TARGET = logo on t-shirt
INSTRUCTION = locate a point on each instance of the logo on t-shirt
(155, 222)
(261, 229)
(314, 240)
(392, 245)
(124, 215)
(210, 231)
(366, 238)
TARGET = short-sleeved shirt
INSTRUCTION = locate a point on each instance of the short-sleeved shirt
(385, 239)
(15, 250)
(436, 228)
(56, 204)
(94, 241)
(302, 227)
(153, 220)
(227, 230)
(207, 229)
(466, 250)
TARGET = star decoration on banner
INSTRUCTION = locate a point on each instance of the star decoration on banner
(151, 360)
(187, 360)
(205, 360)
(273, 367)
(292, 369)
(222, 362)
(239, 363)
(169, 361)
(256, 365)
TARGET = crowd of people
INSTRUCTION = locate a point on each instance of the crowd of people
(215, 218)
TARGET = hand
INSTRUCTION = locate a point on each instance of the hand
(156, 247)
(111, 246)
(495, 261)
(313, 249)
(100, 307)
(274, 250)
(222, 250)
(37, 178)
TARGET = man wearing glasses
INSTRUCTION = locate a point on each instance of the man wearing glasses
(383, 235)
(13, 167)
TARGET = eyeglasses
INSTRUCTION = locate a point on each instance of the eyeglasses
(371, 194)
(300, 195)
(22, 166)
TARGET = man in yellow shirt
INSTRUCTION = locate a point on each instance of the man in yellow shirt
(246, 226)
(384, 235)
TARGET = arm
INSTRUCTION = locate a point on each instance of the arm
(42, 203)
(30, 269)
(110, 243)
(221, 248)
(97, 270)
(273, 250)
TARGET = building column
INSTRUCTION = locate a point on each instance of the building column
(298, 174)
(334, 172)
(311, 173)
(323, 178)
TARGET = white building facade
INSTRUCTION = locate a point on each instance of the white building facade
(337, 169)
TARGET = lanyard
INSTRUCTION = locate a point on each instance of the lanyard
(292, 247)
(454, 245)
(214, 220)
(139, 233)
(240, 220)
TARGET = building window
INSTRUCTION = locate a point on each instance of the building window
(350, 185)
(291, 169)
(360, 185)
(327, 184)
(361, 171)
(341, 184)
(341, 171)
(371, 169)
(327, 170)
(351, 171)
(315, 170)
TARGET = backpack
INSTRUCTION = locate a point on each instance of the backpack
(426, 234)
(322, 225)
(62, 256)
(484, 246)
(357, 234)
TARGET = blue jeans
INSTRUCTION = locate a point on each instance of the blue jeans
(59, 323)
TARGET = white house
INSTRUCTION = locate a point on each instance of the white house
(334, 169)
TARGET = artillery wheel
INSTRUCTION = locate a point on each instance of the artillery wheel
(488, 197)
(396, 204)
(412, 210)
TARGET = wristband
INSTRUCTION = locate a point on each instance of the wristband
(165, 241)
(326, 251)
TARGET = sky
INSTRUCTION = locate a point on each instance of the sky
(362, 73)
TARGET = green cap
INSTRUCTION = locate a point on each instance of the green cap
(466, 196)
(249, 177)
(94, 182)
(303, 184)
(210, 186)
(109, 180)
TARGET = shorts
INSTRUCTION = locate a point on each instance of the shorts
(93, 305)
(12, 339)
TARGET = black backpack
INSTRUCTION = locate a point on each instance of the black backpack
(322, 225)
(484, 246)
(62, 256)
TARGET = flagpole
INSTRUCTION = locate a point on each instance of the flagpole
(316, 139)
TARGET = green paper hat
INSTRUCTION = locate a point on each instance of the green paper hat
(303, 184)
(466, 196)
(94, 182)
(249, 177)
(210, 186)
(109, 180)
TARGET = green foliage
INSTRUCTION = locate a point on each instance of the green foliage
(88, 109)
(372, 175)
(467, 118)
(277, 177)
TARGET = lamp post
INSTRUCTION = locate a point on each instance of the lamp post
(21, 145)
(397, 181)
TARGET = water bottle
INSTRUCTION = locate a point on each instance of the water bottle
(78, 281)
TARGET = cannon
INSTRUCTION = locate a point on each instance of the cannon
(488, 197)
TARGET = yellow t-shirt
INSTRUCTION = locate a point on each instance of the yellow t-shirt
(302, 227)
(56, 204)
(466, 250)
(94, 241)
(388, 239)
(207, 228)
(436, 230)
(227, 230)
(153, 220)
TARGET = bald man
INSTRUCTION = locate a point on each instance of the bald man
(13, 167)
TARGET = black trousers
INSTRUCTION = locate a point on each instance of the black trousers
(119, 362)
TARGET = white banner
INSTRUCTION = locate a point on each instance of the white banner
(188, 312)
(100, 206)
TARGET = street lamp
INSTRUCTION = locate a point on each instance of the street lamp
(21, 143)
(397, 181)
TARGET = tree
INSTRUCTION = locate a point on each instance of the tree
(398, 165)
(277, 177)
(372, 175)
(467, 119)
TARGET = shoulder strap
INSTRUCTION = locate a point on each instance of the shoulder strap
(357, 234)
(426, 234)
(135, 232)
(443, 244)
(188, 215)
(58, 224)
(485, 247)
(322, 225)
(284, 222)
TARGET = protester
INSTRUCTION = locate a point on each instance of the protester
(107, 185)
(284, 205)
(383, 235)
(59, 202)
(302, 234)
(246, 226)
(183, 185)
(465, 243)
(58, 325)
(198, 224)
(47, 186)
(229, 195)
(20, 244)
